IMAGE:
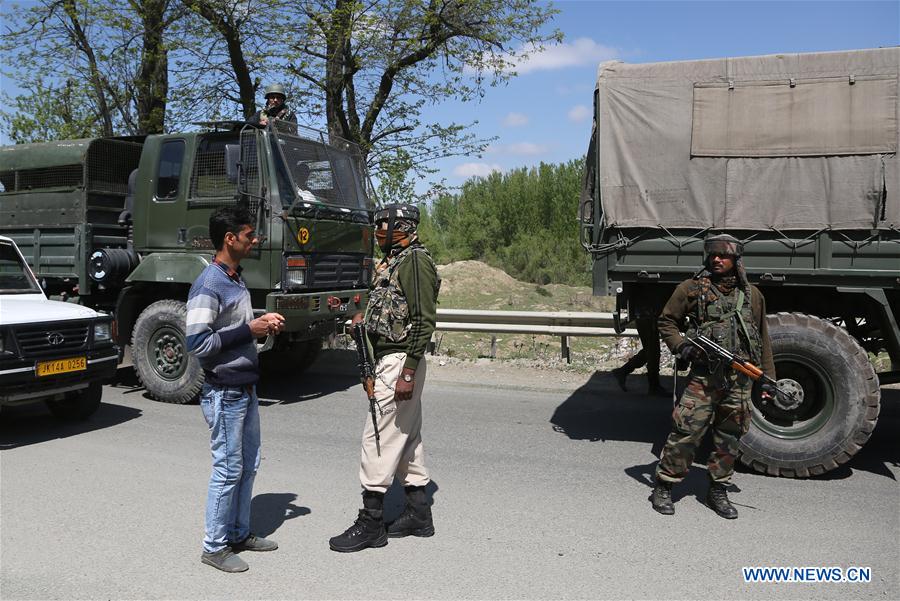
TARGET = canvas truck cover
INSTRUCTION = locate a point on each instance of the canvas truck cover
(786, 141)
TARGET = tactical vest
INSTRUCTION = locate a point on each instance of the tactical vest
(387, 314)
(727, 320)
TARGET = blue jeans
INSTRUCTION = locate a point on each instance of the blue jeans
(232, 414)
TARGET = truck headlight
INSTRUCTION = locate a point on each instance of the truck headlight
(102, 332)
(294, 273)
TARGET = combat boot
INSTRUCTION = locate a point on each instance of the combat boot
(416, 517)
(661, 498)
(717, 499)
(654, 388)
(368, 529)
(621, 375)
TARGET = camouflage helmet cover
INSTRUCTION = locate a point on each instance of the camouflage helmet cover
(275, 88)
(398, 211)
(723, 244)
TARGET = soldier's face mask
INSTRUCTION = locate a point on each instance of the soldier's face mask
(381, 237)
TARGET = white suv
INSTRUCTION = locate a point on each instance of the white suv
(49, 350)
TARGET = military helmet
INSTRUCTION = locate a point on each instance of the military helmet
(403, 211)
(723, 244)
(275, 88)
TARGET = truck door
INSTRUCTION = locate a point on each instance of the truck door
(166, 214)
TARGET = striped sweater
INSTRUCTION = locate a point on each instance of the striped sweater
(218, 330)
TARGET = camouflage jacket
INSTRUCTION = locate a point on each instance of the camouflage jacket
(283, 114)
(402, 309)
(716, 314)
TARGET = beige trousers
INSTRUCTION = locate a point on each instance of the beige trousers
(399, 425)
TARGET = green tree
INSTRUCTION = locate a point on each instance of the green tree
(113, 54)
(523, 221)
(373, 66)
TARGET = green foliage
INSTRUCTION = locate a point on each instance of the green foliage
(523, 222)
(49, 113)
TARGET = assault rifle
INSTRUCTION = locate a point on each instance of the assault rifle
(367, 375)
(716, 353)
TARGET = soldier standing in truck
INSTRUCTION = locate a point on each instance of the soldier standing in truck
(719, 303)
(276, 107)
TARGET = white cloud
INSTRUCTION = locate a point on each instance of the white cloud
(582, 51)
(529, 149)
(515, 120)
(475, 169)
(578, 113)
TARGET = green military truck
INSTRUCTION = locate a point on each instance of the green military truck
(796, 155)
(121, 224)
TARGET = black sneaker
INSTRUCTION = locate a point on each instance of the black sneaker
(224, 560)
(367, 531)
(254, 543)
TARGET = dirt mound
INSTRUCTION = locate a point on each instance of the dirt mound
(470, 275)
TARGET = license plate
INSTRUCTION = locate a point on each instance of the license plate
(61, 366)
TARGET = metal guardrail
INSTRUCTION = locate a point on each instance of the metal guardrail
(558, 323)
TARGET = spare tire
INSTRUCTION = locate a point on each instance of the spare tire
(161, 359)
(836, 407)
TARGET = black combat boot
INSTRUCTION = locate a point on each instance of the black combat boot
(368, 529)
(621, 375)
(717, 499)
(416, 517)
(654, 388)
(661, 498)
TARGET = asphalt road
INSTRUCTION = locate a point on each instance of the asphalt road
(538, 494)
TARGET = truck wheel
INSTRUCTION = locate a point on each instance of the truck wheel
(837, 407)
(161, 360)
(290, 358)
(78, 405)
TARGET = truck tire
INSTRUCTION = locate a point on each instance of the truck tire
(78, 405)
(161, 360)
(291, 358)
(837, 408)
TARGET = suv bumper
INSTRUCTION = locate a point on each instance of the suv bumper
(20, 384)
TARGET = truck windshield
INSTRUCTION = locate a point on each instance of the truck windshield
(321, 173)
(15, 278)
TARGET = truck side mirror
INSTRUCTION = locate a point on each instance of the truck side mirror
(232, 162)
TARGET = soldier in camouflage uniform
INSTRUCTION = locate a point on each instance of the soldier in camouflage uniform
(400, 318)
(275, 107)
(719, 303)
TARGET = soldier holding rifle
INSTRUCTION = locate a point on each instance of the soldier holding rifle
(721, 305)
(399, 321)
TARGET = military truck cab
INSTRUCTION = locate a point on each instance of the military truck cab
(127, 231)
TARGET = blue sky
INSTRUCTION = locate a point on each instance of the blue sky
(544, 113)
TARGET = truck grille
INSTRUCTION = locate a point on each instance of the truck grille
(43, 340)
(336, 271)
